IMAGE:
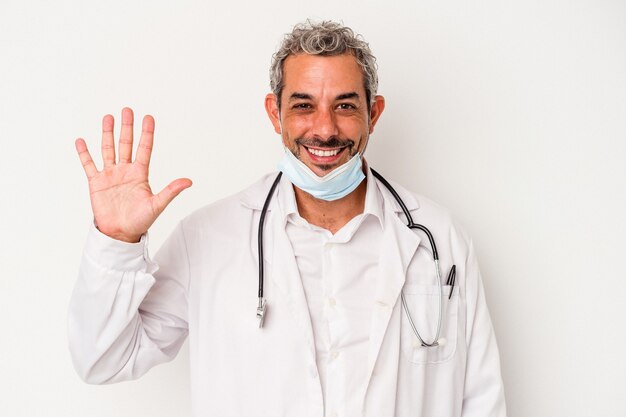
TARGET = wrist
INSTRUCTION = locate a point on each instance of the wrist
(126, 238)
(115, 254)
(117, 235)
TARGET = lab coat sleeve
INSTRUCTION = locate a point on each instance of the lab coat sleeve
(126, 313)
(483, 392)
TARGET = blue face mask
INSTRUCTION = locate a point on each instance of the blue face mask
(336, 184)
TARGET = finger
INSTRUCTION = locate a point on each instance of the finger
(166, 196)
(144, 150)
(126, 136)
(108, 143)
(85, 158)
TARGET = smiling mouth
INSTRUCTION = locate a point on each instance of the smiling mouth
(324, 152)
(325, 155)
(325, 159)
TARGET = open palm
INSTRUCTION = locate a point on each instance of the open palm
(122, 201)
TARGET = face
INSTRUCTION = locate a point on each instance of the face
(324, 118)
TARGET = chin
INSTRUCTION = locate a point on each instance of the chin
(325, 168)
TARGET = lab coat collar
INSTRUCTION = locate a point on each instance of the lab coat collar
(254, 196)
(409, 200)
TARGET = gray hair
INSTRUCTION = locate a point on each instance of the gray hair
(326, 38)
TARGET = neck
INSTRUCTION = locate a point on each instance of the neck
(331, 215)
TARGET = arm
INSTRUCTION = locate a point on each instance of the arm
(483, 394)
(126, 314)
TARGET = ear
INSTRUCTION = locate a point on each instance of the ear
(271, 107)
(377, 109)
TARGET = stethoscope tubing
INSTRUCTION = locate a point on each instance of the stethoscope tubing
(433, 246)
(261, 227)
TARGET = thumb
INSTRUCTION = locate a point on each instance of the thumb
(165, 197)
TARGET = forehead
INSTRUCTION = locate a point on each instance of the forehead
(316, 75)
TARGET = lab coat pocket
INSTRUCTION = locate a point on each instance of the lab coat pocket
(423, 304)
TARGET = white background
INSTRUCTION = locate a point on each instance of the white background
(510, 113)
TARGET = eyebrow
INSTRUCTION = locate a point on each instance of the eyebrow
(305, 96)
(300, 96)
(346, 96)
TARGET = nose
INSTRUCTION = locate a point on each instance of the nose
(324, 125)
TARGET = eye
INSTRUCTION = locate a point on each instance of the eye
(301, 106)
(346, 106)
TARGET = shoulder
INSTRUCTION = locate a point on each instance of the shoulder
(232, 210)
(395, 196)
(436, 217)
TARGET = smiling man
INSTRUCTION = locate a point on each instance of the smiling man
(351, 316)
(325, 114)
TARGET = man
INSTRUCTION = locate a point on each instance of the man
(346, 280)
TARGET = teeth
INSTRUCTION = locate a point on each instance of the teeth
(318, 152)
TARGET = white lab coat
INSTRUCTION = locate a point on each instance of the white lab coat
(127, 314)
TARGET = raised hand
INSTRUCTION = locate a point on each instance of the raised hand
(122, 201)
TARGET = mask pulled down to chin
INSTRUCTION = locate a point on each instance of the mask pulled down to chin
(335, 185)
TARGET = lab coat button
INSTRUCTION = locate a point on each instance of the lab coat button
(332, 301)
(334, 415)
(334, 354)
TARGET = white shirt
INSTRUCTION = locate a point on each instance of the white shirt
(338, 273)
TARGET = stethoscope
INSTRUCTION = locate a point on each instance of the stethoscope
(262, 306)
